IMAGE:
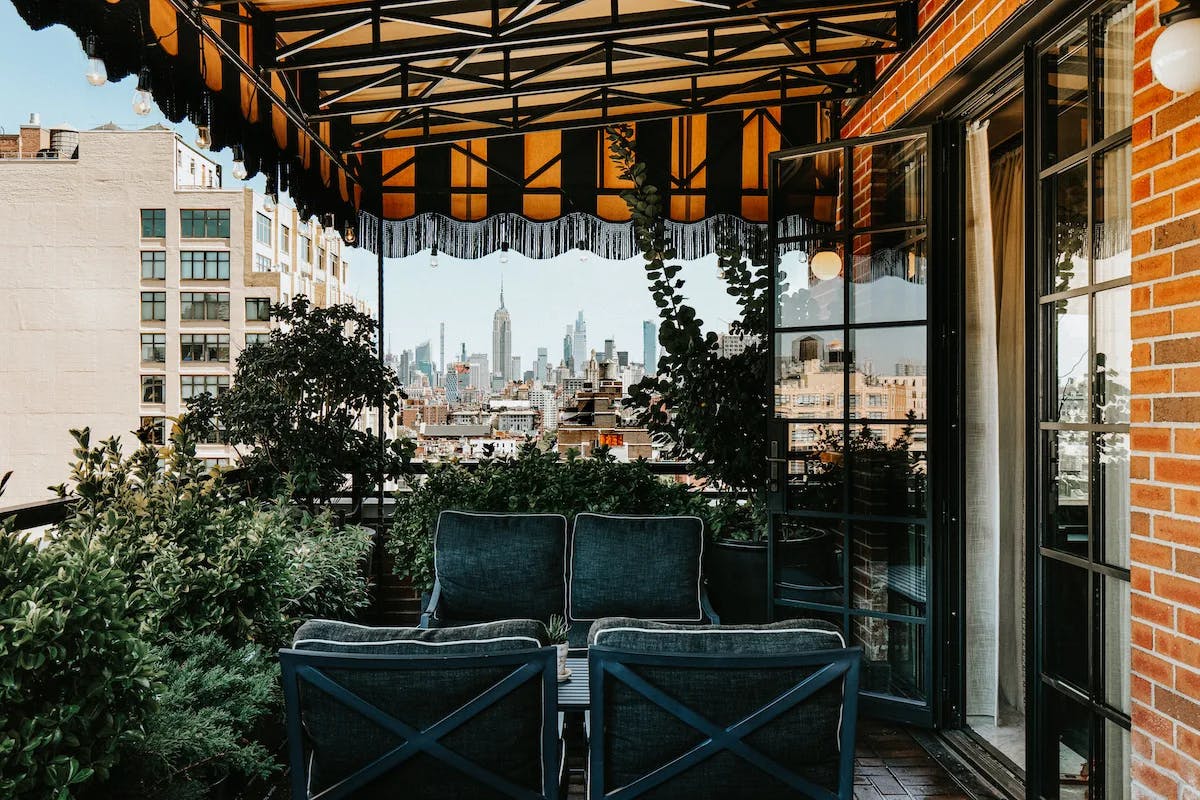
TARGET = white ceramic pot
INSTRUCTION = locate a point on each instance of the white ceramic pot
(562, 661)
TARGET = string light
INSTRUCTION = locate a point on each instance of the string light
(203, 134)
(96, 73)
(584, 253)
(143, 102)
(239, 164)
(433, 257)
(825, 264)
(350, 237)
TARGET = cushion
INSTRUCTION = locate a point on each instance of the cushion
(648, 567)
(639, 736)
(500, 566)
(343, 741)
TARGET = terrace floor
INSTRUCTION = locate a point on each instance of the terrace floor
(890, 765)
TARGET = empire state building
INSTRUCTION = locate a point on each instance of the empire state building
(502, 342)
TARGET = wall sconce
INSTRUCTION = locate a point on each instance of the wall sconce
(1175, 58)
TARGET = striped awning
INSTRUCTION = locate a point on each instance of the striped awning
(489, 114)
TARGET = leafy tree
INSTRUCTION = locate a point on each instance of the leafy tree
(702, 407)
(299, 402)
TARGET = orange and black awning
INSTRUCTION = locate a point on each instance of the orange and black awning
(481, 116)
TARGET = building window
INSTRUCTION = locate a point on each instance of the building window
(285, 239)
(154, 347)
(262, 263)
(204, 305)
(262, 228)
(154, 223)
(215, 463)
(321, 258)
(258, 309)
(195, 385)
(152, 388)
(204, 223)
(154, 306)
(257, 338)
(153, 430)
(154, 265)
(204, 265)
(204, 347)
(214, 435)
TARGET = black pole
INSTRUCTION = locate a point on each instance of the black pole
(379, 240)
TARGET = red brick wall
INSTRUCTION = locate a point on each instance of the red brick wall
(925, 66)
(1165, 549)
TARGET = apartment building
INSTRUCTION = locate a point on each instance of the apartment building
(134, 277)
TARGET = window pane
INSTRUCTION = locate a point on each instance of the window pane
(1113, 356)
(1112, 496)
(1112, 246)
(1068, 755)
(889, 275)
(809, 294)
(889, 465)
(1114, 57)
(808, 193)
(1068, 332)
(893, 661)
(1067, 201)
(1065, 629)
(809, 560)
(1116, 643)
(889, 364)
(888, 569)
(1065, 68)
(816, 472)
(810, 375)
(1116, 762)
(889, 183)
(1067, 461)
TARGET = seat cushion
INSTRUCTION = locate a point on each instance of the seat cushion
(640, 737)
(647, 567)
(500, 566)
(489, 637)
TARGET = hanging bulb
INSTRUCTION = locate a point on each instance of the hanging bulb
(203, 137)
(143, 102)
(350, 237)
(433, 257)
(504, 252)
(239, 164)
(269, 204)
(584, 254)
(271, 199)
(96, 73)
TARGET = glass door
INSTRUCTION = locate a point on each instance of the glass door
(850, 343)
(1081, 687)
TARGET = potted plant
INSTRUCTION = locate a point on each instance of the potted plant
(702, 406)
(557, 630)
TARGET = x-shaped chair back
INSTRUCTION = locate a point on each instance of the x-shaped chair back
(311, 669)
(827, 666)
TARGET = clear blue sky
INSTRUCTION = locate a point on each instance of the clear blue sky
(44, 74)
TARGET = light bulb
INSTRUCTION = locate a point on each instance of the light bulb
(825, 264)
(269, 204)
(96, 73)
(349, 237)
(1175, 57)
(504, 252)
(143, 101)
(239, 170)
(433, 262)
(203, 138)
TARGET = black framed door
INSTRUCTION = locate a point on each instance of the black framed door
(851, 515)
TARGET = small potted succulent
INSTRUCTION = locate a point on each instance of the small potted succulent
(557, 630)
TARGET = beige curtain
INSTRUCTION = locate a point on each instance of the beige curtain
(982, 436)
(1008, 210)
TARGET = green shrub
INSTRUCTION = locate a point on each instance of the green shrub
(75, 680)
(210, 707)
(531, 482)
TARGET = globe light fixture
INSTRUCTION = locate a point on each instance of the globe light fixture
(1175, 57)
(825, 264)
(143, 102)
(239, 164)
(96, 73)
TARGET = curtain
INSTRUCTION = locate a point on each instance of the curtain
(982, 435)
(1008, 210)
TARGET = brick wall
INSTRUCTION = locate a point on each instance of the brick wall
(925, 66)
(1165, 549)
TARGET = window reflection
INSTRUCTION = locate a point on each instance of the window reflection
(808, 189)
(1069, 332)
(889, 183)
(889, 275)
(809, 561)
(1065, 67)
(806, 294)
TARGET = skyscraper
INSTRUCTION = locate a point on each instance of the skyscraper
(541, 370)
(610, 347)
(579, 351)
(442, 347)
(502, 341)
(514, 369)
(567, 358)
(650, 347)
(424, 361)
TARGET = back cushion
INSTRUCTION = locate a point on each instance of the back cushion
(500, 566)
(646, 567)
(343, 740)
(639, 736)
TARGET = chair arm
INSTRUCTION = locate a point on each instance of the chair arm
(430, 612)
(706, 607)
